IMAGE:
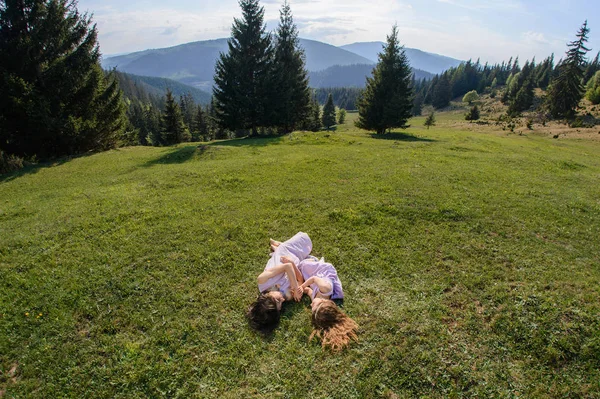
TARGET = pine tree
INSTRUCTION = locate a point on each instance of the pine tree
(429, 91)
(521, 90)
(566, 90)
(341, 116)
(313, 119)
(417, 107)
(386, 101)
(544, 73)
(188, 109)
(153, 125)
(241, 75)
(290, 94)
(173, 128)
(55, 100)
(201, 131)
(593, 89)
(430, 121)
(442, 93)
(592, 68)
(473, 114)
(329, 113)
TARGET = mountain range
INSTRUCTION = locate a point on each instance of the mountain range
(329, 66)
(432, 63)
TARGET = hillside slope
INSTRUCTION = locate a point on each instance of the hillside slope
(468, 259)
(157, 87)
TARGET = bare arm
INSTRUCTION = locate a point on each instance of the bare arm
(299, 278)
(270, 273)
(323, 284)
(287, 268)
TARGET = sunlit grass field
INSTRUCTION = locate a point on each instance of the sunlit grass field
(469, 260)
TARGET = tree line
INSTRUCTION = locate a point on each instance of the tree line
(56, 100)
(565, 82)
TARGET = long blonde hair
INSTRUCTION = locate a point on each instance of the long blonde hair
(333, 327)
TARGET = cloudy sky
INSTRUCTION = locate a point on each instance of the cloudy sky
(493, 30)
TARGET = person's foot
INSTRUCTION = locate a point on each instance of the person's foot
(274, 244)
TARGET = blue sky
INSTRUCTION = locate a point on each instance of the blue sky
(493, 30)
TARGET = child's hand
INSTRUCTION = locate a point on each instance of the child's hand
(298, 294)
(286, 259)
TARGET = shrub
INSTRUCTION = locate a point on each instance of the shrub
(9, 163)
(473, 114)
(470, 97)
(529, 124)
(593, 95)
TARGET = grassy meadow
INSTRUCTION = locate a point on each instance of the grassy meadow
(470, 261)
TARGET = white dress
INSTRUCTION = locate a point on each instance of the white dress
(297, 248)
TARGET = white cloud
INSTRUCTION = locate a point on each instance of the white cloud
(456, 28)
(510, 5)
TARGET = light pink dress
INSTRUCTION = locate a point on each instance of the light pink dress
(297, 248)
(318, 267)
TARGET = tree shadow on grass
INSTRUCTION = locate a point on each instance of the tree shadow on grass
(248, 141)
(400, 137)
(178, 155)
(181, 155)
(33, 168)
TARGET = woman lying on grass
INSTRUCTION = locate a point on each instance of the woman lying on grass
(279, 281)
(331, 325)
(322, 284)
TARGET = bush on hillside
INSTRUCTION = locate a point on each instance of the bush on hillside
(593, 89)
(470, 97)
(9, 163)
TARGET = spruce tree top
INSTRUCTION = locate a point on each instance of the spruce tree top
(577, 49)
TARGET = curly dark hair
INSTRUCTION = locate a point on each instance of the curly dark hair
(263, 315)
(333, 327)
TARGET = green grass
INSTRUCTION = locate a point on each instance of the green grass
(470, 261)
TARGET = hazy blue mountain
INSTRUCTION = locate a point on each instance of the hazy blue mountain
(190, 63)
(433, 63)
(194, 63)
(157, 87)
(350, 76)
(320, 56)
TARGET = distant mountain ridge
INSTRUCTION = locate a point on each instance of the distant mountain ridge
(430, 62)
(194, 63)
(158, 87)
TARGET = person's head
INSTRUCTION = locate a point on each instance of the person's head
(331, 325)
(263, 315)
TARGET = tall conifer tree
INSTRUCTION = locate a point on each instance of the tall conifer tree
(329, 113)
(241, 76)
(387, 99)
(55, 100)
(442, 92)
(173, 128)
(566, 90)
(521, 91)
(290, 93)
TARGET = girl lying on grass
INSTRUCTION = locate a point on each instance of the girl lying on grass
(279, 281)
(322, 284)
